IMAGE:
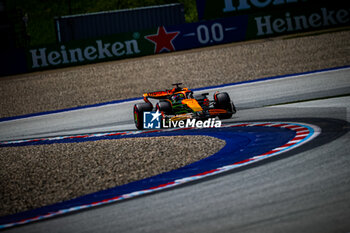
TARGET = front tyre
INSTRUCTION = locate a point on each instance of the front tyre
(139, 109)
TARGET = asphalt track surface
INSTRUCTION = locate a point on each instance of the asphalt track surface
(304, 190)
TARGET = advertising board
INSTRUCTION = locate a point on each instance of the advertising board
(296, 20)
(261, 24)
(212, 9)
(148, 42)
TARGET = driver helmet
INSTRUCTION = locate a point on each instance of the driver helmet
(178, 97)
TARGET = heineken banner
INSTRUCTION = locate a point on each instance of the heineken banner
(193, 35)
(296, 20)
(212, 9)
(127, 45)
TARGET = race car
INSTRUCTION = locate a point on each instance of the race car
(180, 104)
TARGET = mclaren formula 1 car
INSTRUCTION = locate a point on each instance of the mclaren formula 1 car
(180, 104)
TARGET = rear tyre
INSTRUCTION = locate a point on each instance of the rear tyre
(223, 101)
(139, 109)
(164, 106)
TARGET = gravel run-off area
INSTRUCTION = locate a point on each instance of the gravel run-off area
(34, 176)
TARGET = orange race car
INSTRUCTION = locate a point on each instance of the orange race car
(180, 104)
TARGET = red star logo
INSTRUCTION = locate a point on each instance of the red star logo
(163, 40)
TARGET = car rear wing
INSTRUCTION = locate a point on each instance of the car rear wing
(163, 94)
(157, 95)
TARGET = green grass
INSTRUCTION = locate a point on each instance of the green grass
(41, 13)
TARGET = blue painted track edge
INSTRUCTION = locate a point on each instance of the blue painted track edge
(303, 133)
